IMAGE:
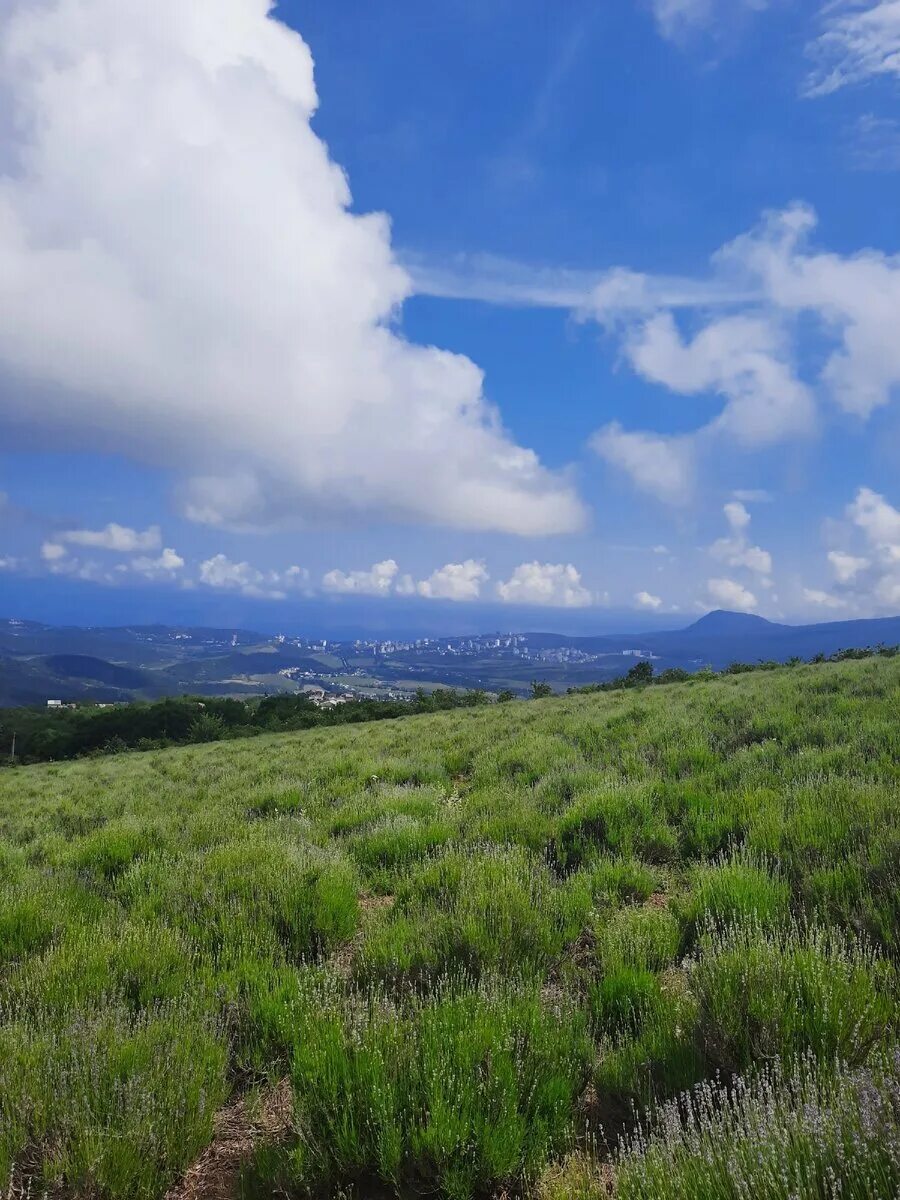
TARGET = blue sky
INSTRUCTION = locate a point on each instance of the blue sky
(622, 346)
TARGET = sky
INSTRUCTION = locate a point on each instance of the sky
(398, 317)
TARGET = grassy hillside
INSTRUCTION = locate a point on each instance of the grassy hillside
(487, 950)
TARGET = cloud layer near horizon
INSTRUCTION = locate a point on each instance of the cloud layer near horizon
(182, 281)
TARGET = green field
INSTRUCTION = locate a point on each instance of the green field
(479, 953)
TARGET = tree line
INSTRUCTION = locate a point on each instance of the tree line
(29, 735)
(43, 735)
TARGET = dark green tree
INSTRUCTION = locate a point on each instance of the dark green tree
(640, 673)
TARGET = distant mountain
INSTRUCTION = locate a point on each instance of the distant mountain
(720, 638)
(723, 637)
(722, 623)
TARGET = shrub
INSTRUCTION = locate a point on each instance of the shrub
(733, 889)
(396, 842)
(616, 881)
(773, 994)
(109, 1104)
(461, 1093)
(130, 963)
(621, 822)
(797, 1134)
(622, 1001)
(642, 939)
(254, 891)
(653, 1061)
(482, 910)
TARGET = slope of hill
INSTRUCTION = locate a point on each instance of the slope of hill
(32, 681)
(97, 670)
(465, 947)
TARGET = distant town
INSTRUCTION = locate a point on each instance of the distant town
(108, 665)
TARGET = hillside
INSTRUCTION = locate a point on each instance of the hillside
(456, 954)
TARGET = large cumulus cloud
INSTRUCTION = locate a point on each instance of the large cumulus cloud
(182, 280)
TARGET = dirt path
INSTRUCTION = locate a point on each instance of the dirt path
(237, 1132)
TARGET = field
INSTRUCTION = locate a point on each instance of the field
(642, 944)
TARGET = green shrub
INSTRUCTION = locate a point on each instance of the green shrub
(732, 890)
(620, 822)
(622, 1001)
(773, 994)
(254, 891)
(35, 909)
(616, 881)
(461, 1093)
(127, 962)
(642, 939)
(108, 851)
(484, 910)
(656, 1060)
(112, 1104)
(445, 927)
(397, 841)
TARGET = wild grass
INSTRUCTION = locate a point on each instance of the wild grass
(470, 940)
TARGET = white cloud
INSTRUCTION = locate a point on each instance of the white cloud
(9, 563)
(736, 550)
(823, 599)
(167, 563)
(118, 538)
(677, 19)
(52, 551)
(846, 566)
(728, 593)
(736, 515)
(646, 600)
(220, 572)
(454, 581)
(495, 280)
(867, 568)
(754, 558)
(750, 358)
(781, 296)
(879, 521)
(858, 42)
(854, 297)
(85, 570)
(744, 359)
(873, 144)
(181, 272)
(663, 466)
(378, 580)
(555, 585)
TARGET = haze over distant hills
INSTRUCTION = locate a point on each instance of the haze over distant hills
(41, 662)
